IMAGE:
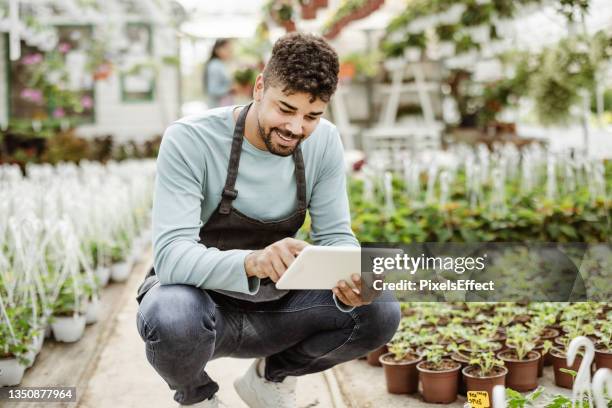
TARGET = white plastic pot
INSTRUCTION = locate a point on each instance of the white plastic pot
(40, 340)
(93, 310)
(68, 329)
(135, 253)
(103, 273)
(32, 353)
(11, 372)
(121, 271)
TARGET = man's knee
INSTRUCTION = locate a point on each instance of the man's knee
(176, 314)
(378, 321)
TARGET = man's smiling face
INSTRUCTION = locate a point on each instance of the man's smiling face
(285, 120)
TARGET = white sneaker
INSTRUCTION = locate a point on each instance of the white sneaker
(207, 403)
(257, 392)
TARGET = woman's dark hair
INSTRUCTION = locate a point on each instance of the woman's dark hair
(303, 63)
(219, 42)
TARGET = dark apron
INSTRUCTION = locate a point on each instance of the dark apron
(228, 228)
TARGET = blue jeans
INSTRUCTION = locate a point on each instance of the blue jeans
(184, 327)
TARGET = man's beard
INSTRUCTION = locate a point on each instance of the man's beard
(275, 148)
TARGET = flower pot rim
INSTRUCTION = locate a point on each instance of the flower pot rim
(550, 337)
(465, 373)
(556, 352)
(400, 362)
(606, 351)
(72, 316)
(459, 358)
(515, 360)
(425, 370)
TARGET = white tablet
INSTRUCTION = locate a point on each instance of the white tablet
(321, 267)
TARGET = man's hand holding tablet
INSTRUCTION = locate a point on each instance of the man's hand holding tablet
(327, 267)
(344, 263)
(272, 261)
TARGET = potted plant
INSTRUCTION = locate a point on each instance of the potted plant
(13, 345)
(100, 254)
(439, 376)
(521, 359)
(539, 324)
(399, 364)
(484, 372)
(559, 357)
(121, 268)
(603, 347)
(308, 9)
(92, 308)
(373, 357)
(68, 320)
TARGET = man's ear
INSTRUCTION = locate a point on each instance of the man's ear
(258, 89)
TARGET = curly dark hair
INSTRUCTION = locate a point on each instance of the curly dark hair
(303, 63)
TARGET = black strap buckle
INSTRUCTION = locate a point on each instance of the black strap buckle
(230, 194)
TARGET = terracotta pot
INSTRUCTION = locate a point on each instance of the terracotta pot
(521, 319)
(374, 356)
(347, 71)
(289, 26)
(522, 374)
(603, 358)
(549, 334)
(321, 3)
(540, 349)
(309, 11)
(560, 361)
(439, 386)
(476, 383)
(401, 376)
(464, 361)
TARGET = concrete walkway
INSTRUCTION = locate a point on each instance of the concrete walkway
(122, 376)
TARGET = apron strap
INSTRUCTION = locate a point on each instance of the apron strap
(229, 193)
(300, 178)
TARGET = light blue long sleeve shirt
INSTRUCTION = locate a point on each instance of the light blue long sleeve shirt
(191, 172)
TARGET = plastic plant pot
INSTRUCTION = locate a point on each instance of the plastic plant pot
(562, 379)
(68, 329)
(120, 271)
(11, 372)
(92, 311)
(522, 374)
(603, 357)
(401, 376)
(439, 386)
(374, 356)
(477, 383)
(103, 274)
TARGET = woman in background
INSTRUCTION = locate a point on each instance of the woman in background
(217, 78)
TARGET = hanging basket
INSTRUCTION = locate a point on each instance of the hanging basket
(68, 329)
(120, 271)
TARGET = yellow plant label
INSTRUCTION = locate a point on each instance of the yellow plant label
(478, 399)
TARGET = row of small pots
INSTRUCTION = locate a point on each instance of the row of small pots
(403, 376)
(67, 329)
